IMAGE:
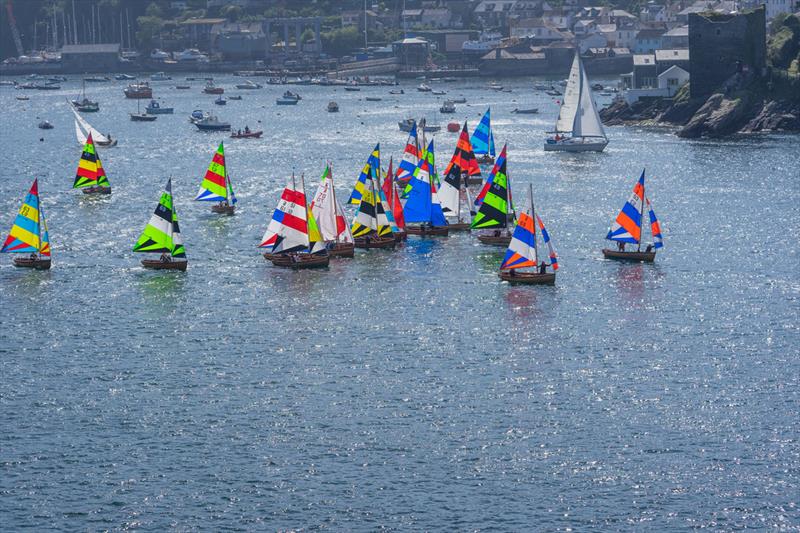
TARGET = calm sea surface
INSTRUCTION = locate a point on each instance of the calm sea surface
(407, 390)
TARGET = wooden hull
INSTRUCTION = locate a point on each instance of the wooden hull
(375, 242)
(27, 262)
(251, 135)
(474, 180)
(157, 264)
(97, 189)
(342, 249)
(297, 261)
(223, 209)
(428, 231)
(528, 278)
(642, 257)
(495, 240)
(400, 236)
(459, 226)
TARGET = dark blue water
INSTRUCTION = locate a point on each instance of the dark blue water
(408, 390)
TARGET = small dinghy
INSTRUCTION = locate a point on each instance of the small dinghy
(29, 233)
(627, 229)
(162, 235)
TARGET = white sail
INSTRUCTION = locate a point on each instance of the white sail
(569, 103)
(96, 135)
(345, 235)
(448, 195)
(587, 121)
(79, 134)
(324, 210)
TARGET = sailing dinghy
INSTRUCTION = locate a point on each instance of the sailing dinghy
(495, 208)
(292, 238)
(330, 218)
(216, 185)
(162, 235)
(627, 228)
(454, 188)
(91, 176)
(371, 227)
(422, 204)
(393, 204)
(482, 140)
(578, 128)
(83, 129)
(29, 233)
(521, 253)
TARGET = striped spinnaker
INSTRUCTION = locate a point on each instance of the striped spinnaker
(90, 171)
(29, 232)
(627, 226)
(162, 234)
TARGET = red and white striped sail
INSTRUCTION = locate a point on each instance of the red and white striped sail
(288, 229)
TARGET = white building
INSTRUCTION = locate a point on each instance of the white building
(672, 79)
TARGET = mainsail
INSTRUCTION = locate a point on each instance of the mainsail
(587, 121)
(83, 129)
(29, 232)
(521, 251)
(410, 156)
(371, 217)
(572, 95)
(655, 227)
(550, 249)
(463, 162)
(389, 189)
(373, 161)
(216, 185)
(628, 225)
(288, 229)
(482, 138)
(90, 171)
(493, 211)
(488, 183)
(162, 234)
(423, 205)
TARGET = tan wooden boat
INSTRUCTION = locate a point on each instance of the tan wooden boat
(97, 189)
(342, 249)
(401, 235)
(298, 261)
(223, 209)
(504, 239)
(28, 262)
(459, 226)
(528, 278)
(375, 242)
(428, 231)
(158, 264)
(644, 257)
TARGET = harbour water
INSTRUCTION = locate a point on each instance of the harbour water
(405, 390)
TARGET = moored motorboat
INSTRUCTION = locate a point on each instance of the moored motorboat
(45, 125)
(333, 107)
(210, 88)
(530, 111)
(155, 108)
(138, 91)
(246, 134)
(448, 107)
(211, 123)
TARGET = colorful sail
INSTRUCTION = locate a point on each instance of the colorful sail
(463, 163)
(323, 207)
(288, 229)
(550, 249)
(162, 234)
(410, 156)
(628, 225)
(373, 161)
(366, 219)
(488, 183)
(29, 232)
(342, 227)
(423, 204)
(315, 241)
(216, 186)
(90, 171)
(493, 211)
(482, 138)
(389, 189)
(521, 251)
(655, 227)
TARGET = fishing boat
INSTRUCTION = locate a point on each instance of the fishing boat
(83, 104)
(530, 111)
(197, 115)
(292, 238)
(210, 88)
(141, 117)
(289, 95)
(483, 140)
(461, 168)
(91, 176)
(423, 206)
(154, 108)
(448, 107)
(45, 125)
(330, 218)
(521, 264)
(83, 129)
(627, 229)
(162, 235)
(220, 101)
(211, 123)
(29, 234)
(423, 88)
(216, 185)
(138, 91)
(160, 76)
(407, 124)
(373, 99)
(578, 128)
(333, 107)
(495, 207)
(248, 85)
(392, 206)
(247, 134)
(286, 101)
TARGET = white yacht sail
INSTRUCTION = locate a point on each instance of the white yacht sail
(572, 94)
(587, 121)
(86, 129)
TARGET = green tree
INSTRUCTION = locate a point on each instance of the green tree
(149, 30)
(232, 13)
(342, 41)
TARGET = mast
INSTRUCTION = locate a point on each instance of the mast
(533, 216)
(335, 205)
(39, 214)
(641, 222)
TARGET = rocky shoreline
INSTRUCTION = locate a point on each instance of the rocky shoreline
(717, 116)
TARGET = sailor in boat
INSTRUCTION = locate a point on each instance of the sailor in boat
(543, 268)
(247, 129)
(165, 258)
(621, 246)
(239, 132)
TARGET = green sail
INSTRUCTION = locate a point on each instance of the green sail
(162, 234)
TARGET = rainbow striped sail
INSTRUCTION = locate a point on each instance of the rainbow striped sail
(360, 188)
(29, 234)
(216, 185)
(482, 138)
(628, 225)
(410, 156)
(521, 251)
(90, 171)
(493, 211)
(162, 234)
(488, 183)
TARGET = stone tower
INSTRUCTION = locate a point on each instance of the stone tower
(720, 44)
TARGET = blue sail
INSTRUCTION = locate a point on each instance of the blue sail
(418, 200)
(482, 139)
